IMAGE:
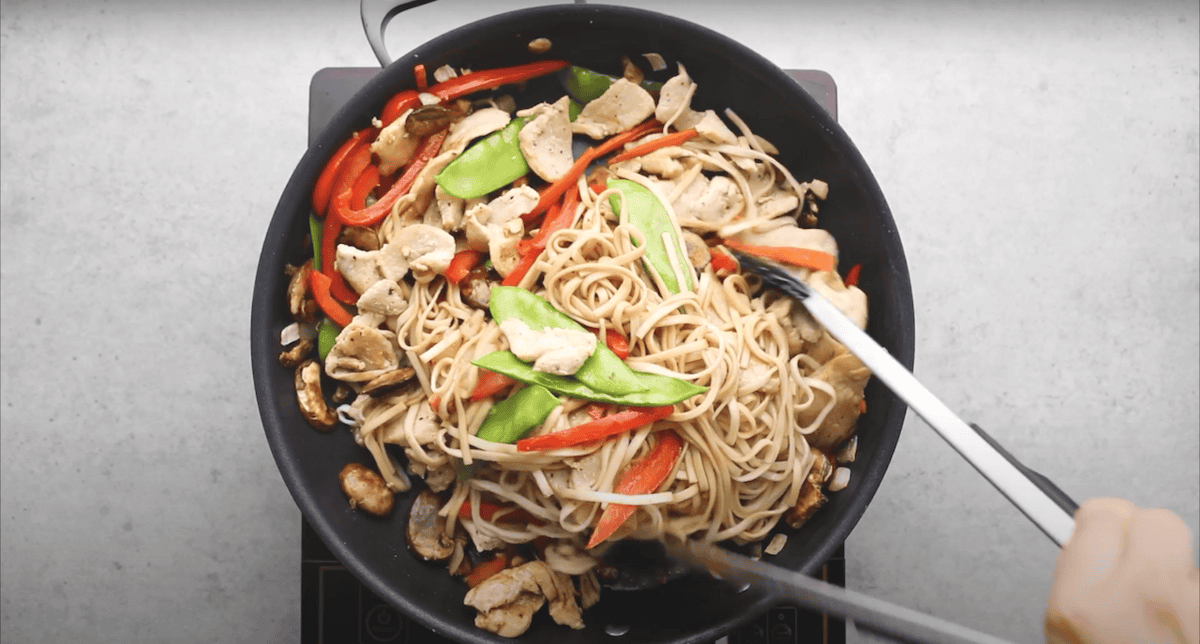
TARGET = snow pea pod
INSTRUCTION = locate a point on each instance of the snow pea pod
(508, 421)
(327, 333)
(649, 215)
(660, 390)
(603, 371)
(585, 85)
(489, 164)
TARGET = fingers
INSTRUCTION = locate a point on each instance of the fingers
(1097, 543)
(1160, 541)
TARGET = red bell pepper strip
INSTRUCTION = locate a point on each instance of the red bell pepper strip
(642, 477)
(323, 189)
(722, 262)
(453, 88)
(487, 511)
(617, 343)
(483, 571)
(375, 213)
(357, 163)
(514, 278)
(490, 383)
(462, 263)
(337, 284)
(320, 288)
(648, 126)
(397, 105)
(366, 182)
(558, 218)
(801, 257)
(852, 275)
(595, 430)
(556, 190)
(420, 77)
(646, 148)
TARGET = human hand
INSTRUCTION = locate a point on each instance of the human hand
(1126, 576)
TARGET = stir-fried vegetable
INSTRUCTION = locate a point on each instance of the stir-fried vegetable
(508, 421)
(595, 430)
(603, 371)
(814, 260)
(327, 333)
(320, 287)
(489, 164)
(660, 390)
(664, 251)
(642, 477)
(657, 144)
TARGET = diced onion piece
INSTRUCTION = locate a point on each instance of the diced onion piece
(841, 478)
(849, 451)
(296, 332)
(428, 99)
(444, 73)
(777, 543)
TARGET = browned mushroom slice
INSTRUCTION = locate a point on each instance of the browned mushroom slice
(300, 301)
(697, 250)
(476, 288)
(366, 489)
(388, 381)
(309, 396)
(811, 498)
(426, 530)
(294, 356)
(359, 237)
(631, 72)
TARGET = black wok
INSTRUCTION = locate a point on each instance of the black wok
(693, 608)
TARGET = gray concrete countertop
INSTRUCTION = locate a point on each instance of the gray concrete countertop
(1041, 159)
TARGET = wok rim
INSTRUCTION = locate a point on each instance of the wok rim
(264, 340)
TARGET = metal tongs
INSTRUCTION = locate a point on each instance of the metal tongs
(1035, 495)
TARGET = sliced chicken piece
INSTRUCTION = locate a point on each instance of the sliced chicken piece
(711, 127)
(477, 124)
(359, 267)
(711, 200)
(675, 97)
(450, 208)
(423, 249)
(558, 351)
(361, 351)
(384, 297)
(849, 299)
(848, 376)
(779, 203)
(811, 497)
(496, 226)
(546, 140)
(394, 146)
(508, 600)
(622, 106)
(410, 207)
(697, 251)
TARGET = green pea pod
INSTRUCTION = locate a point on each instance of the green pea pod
(649, 215)
(585, 85)
(489, 164)
(327, 333)
(660, 390)
(603, 370)
(315, 227)
(508, 421)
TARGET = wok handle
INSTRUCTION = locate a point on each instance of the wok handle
(376, 14)
(1060, 498)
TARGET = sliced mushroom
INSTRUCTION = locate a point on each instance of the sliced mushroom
(697, 250)
(300, 301)
(366, 489)
(388, 381)
(630, 71)
(426, 530)
(359, 237)
(312, 401)
(811, 498)
(427, 119)
(294, 356)
(477, 288)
